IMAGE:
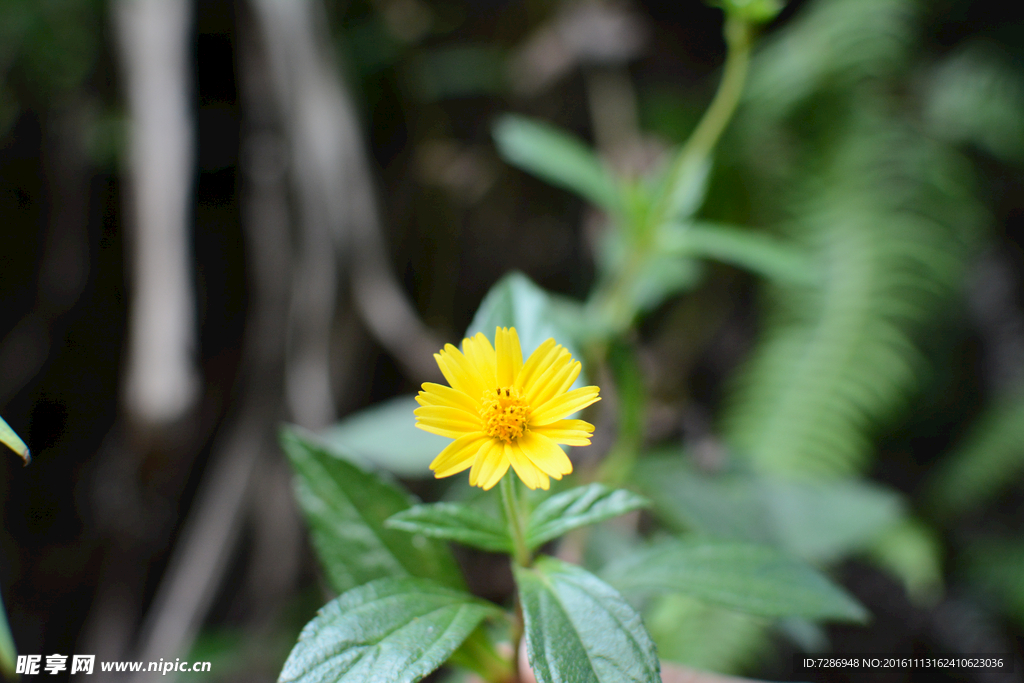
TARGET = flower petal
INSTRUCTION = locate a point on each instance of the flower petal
(440, 395)
(545, 454)
(535, 364)
(458, 455)
(531, 475)
(568, 432)
(459, 371)
(565, 404)
(555, 380)
(509, 355)
(447, 417)
(480, 353)
(490, 465)
(442, 431)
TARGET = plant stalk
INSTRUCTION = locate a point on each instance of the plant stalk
(738, 37)
(612, 301)
(516, 522)
(516, 518)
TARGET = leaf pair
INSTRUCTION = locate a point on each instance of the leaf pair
(554, 517)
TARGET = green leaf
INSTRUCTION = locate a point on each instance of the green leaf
(388, 631)
(385, 436)
(579, 629)
(346, 508)
(515, 301)
(557, 157)
(816, 521)
(11, 439)
(578, 507)
(741, 247)
(748, 578)
(454, 522)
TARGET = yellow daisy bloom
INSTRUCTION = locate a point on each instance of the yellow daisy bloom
(502, 411)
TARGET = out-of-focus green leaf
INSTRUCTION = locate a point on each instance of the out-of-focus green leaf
(557, 157)
(388, 631)
(578, 507)
(458, 71)
(754, 11)
(8, 653)
(579, 629)
(912, 552)
(989, 459)
(631, 394)
(741, 247)
(816, 521)
(385, 436)
(748, 578)
(478, 653)
(662, 277)
(975, 95)
(515, 301)
(690, 191)
(704, 636)
(346, 509)
(454, 522)
(997, 568)
(11, 439)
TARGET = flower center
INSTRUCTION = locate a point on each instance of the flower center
(504, 413)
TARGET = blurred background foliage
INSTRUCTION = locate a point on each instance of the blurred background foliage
(865, 415)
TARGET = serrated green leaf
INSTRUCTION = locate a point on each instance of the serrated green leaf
(515, 301)
(579, 629)
(556, 156)
(745, 577)
(346, 508)
(454, 522)
(385, 436)
(11, 439)
(578, 507)
(740, 247)
(388, 631)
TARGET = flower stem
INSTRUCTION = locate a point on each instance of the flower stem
(516, 522)
(612, 302)
(517, 518)
(738, 37)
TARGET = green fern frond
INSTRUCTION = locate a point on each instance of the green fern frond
(836, 44)
(975, 96)
(890, 220)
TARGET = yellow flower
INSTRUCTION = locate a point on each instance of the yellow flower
(502, 411)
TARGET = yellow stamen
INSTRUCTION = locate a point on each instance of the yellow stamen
(504, 413)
